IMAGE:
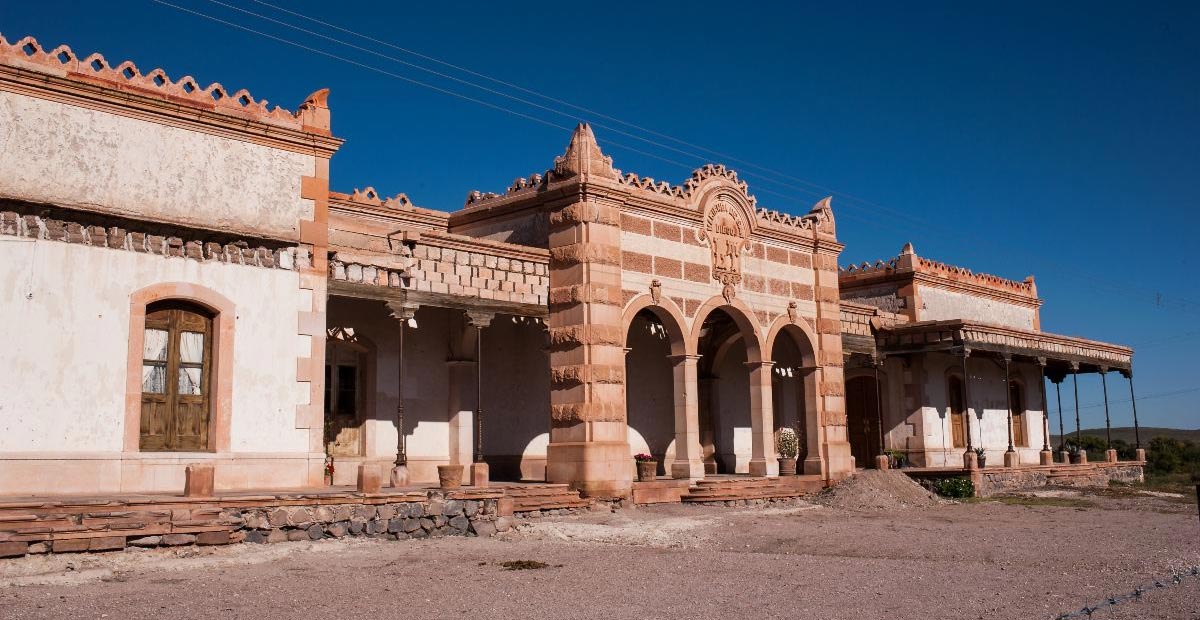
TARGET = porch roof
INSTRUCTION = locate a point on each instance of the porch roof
(1059, 352)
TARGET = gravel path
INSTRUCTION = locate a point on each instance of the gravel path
(978, 560)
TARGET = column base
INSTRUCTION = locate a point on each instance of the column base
(1012, 459)
(594, 468)
(1139, 455)
(814, 466)
(1046, 457)
(1110, 455)
(1083, 457)
(479, 474)
(1064, 457)
(687, 470)
(369, 478)
(882, 462)
(970, 461)
(399, 476)
(758, 467)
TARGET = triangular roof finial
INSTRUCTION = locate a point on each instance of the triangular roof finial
(907, 249)
(583, 156)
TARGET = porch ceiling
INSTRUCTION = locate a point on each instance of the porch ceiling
(415, 299)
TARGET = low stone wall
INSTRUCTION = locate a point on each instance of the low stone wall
(997, 480)
(65, 527)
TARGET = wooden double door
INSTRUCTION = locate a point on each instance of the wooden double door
(176, 378)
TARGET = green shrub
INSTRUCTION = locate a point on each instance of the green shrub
(957, 488)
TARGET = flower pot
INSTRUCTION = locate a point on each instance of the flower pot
(982, 461)
(787, 467)
(647, 470)
(1075, 458)
(450, 476)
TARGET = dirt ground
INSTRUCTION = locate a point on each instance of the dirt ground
(1031, 556)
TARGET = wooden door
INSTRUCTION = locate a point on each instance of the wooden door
(344, 365)
(958, 409)
(861, 420)
(1017, 400)
(176, 378)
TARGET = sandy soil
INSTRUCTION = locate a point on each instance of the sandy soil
(1026, 557)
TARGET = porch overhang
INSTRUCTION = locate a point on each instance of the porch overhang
(1061, 354)
(413, 299)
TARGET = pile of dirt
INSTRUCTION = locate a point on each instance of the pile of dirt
(873, 489)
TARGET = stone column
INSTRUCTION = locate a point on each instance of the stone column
(814, 461)
(762, 421)
(831, 389)
(689, 461)
(589, 446)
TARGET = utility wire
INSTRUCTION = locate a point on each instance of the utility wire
(850, 198)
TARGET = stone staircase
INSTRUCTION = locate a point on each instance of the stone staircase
(530, 497)
(743, 488)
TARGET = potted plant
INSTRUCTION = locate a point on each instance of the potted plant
(896, 459)
(647, 467)
(450, 476)
(788, 446)
(981, 454)
(1074, 450)
(329, 470)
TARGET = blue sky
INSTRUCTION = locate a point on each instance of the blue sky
(1054, 139)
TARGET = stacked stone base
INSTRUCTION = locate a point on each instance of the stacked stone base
(997, 480)
(73, 527)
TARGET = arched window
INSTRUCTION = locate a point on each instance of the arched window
(1016, 397)
(958, 409)
(176, 377)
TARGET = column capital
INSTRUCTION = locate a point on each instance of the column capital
(1042, 361)
(401, 310)
(684, 357)
(760, 364)
(479, 319)
(1074, 366)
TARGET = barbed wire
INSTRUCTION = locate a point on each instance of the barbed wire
(1176, 578)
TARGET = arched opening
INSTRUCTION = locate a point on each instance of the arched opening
(1016, 396)
(958, 410)
(793, 388)
(862, 420)
(649, 389)
(726, 439)
(177, 361)
(516, 397)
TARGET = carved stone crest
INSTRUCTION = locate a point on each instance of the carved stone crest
(726, 229)
(656, 292)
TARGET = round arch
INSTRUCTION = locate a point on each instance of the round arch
(799, 332)
(667, 313)
(741, 315)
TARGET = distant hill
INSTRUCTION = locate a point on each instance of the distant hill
(1125, 433)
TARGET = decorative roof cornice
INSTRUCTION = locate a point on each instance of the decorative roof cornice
(368, 204)
(123, 89)
(934, 272)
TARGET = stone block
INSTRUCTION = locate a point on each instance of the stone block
(460, 523)
(338, 530)
(452, 507)
(145, 541)
(385, 512)
(324, 514)
(198, 480)
(39, 548)
(13, 549)
(256, 536)
(300, 516)
(357, 526)
(343, 512)
(278, 517)
(483, 529)
(69, 545)
(434, 508)
(503, 524)
(212, 538)
(471, 507)
(504, 506)
(427, 524)
(297, 535)
(479, 474)
(177, 540)
(1012, 459)
(1110, 456)
(369, 478)
(277, 536)
(410, 525)
(395, 525)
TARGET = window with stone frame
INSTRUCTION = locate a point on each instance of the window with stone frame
(176, 378)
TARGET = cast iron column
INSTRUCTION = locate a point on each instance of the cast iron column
(1008, 399)
(401, 448)
(1045, 407)
(1062, 433)
(1137, 435)
(1075, 383)
(478, 394)
(967, 400)
(1107, 421)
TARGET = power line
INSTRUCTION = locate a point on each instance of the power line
(910, 220)
(1141, 398)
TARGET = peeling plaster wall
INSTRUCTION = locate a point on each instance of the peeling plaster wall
(75, 157)
(939, 304)
(65, 347)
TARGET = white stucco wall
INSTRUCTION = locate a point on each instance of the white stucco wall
(938, 304)
(987, 394)
(75, 157)
(65, 311)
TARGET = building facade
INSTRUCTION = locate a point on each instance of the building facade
(190, 289)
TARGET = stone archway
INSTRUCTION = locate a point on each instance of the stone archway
(734, 411)
(794, 388)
